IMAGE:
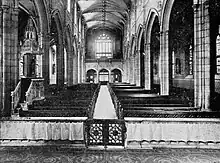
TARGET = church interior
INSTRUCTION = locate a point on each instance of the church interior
(110, 81)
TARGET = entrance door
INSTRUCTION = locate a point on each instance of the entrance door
(104, 75)
(116, 76)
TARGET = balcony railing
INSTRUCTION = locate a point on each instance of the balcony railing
(35, 91)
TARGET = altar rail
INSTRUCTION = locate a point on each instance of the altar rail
(42, 130)
(15, 97)
(173, 132)
(35, 91)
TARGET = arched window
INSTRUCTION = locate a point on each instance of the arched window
(218, 54)
(103, 46)
(190, 60)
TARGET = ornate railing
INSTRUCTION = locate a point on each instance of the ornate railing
(15, 97)
(93, 102)
(116, 102)
(35, 91)
(105, 132)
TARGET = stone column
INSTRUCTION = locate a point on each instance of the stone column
(147, 68)
(130, 70)
(60, 63)
(127, 71)
(9, 56)
(46, 59)
(202, 69)
(138, 68)
(83, 69)
(133, 75)
(75, 68)
(69, 67)
(164, 63)
(79, 65)
(1, 64)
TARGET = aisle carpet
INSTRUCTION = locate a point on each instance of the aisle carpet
(104, 108)
(54, 154)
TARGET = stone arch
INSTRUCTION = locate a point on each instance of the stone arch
(75, 60)
(139, 36)
(149, 70)
(56, 18)
(133, 44)
(140, 49)
(164, 50)
(116, 75)
(150, 20)
(43, 16)
(104, 75)
(165, 16)
(91, 77)
(92, 69)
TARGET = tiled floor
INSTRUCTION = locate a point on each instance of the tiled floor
(104, 108)
(53, 154)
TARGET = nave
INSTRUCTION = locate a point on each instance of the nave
(128, 74)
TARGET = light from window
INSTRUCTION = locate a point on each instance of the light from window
(190, 60)
(103, 46)
(218, 55)
(178, 66)
(173, 64)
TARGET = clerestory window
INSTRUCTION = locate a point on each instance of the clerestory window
(103, 46)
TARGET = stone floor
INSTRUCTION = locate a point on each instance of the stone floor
(55, 154)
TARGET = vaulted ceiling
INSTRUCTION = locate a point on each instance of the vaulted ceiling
(107, 14)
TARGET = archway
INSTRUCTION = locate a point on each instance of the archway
(180, 47)
(91, 76)
(139, 57)
(116, 76)
(57, 40)
(75, 61)
(155, 53)
(104, 75)
(53, 53)
(132, 75)
(215, 53)
(142, 61)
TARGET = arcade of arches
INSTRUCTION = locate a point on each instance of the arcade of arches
(141, 48)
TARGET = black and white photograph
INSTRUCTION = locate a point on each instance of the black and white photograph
(109, 81)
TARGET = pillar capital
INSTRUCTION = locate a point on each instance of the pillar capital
(5, 8)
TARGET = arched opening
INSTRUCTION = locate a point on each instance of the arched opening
(155, 53)
(132, 62)
(65, 66)
(142, 62)
(116, 76)
(215, 53)
(181, 47)
(53, 53)
(91, 76)
(103, 75)
(53, 67)
(56, 40)
(30, 52)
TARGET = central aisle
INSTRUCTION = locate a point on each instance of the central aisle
(104, 108)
